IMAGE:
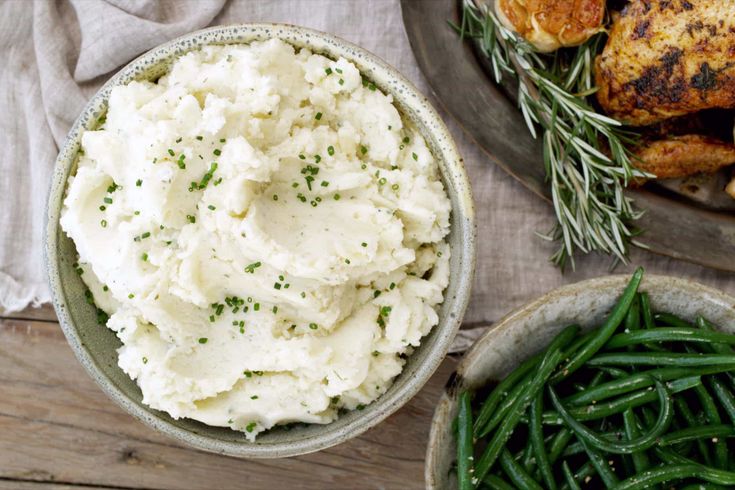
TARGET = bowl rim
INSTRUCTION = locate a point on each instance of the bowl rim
(448, 397)
(464, 224)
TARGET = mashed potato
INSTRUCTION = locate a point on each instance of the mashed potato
(265, 233)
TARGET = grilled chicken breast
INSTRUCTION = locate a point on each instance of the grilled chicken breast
(730, 189)
(552, 24)
(682, 156)
(667, 58)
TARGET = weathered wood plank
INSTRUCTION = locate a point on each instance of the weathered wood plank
(45, 312)
(56, 425)
(32, 485)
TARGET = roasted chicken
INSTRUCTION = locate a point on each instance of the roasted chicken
(682, 156)
(666, 58)
(552, 24)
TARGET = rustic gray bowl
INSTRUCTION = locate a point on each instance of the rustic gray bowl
(529, 329)
(95, 346)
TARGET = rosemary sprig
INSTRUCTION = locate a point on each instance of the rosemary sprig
(587, 183)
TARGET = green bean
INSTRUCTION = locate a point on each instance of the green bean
(633, 318)
(527, 457)
(497, 483)
(502, 390)
(684, 410)
(505, 406)
(632, 400)
(516, 473)
(645, 441)
(605, 332)
(615, 373)
(504, 431)
(704, 324)
(600, 464)
(569, 477)
(648, 321)
(713, 417)
(640, 458)
(703, 486)
(725, 396)
(660, 359)
(658, 475)
(639, 380)
(537, 440)
(561, 439)
(572, 449)
(712, 475)
(672, 320)
(702, 432)
(668, 335)
(464, 443)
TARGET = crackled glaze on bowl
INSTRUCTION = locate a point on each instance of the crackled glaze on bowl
(95, 346)
(529, 329)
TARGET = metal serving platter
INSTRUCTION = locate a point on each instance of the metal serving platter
(678, 224)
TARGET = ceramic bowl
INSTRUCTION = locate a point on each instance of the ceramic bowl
(95, 346)
(529, 330)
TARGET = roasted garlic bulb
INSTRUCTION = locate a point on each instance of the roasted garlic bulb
(552, 24)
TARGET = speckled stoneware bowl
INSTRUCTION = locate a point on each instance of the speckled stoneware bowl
(529, 330)
(95, 346)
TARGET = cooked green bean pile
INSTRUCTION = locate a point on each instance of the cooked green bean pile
(643, 400)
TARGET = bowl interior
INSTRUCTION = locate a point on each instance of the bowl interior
(529, 330)
(96, 346)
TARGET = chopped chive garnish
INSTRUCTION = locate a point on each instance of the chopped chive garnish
(200, 138)
(392, 286)
(203, 340)
(254, 397)
(341, 82)
(313, 326)
(144, 257)
(317, 158)
(250, 427)
(363, 149)
(325, 183)
(131, 296)
(295, 185)
(211, 207)
(313, 204)
(394, 187)
(105, 288)
(107, 200)
(347, 261)
(328, 71)
(275, 197)
(222, 140)
(248, 374)
(171, 152)
(138, 183)
(363, 244)
(102, 208)
(382, 181)
(376, 293)
(250, 269)
(275, 310)
(191, 219)
(217, 152)
(136, 213)
(330, 150)
(146, 234)
(103, 223)
(406, 140)
(337, 196)
(318, 116)
(277, 285)
(301, 156)
(338, 70)
(415, 156)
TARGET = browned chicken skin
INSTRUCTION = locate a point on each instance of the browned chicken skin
(682, 156)
(552, 24)
(666, 58)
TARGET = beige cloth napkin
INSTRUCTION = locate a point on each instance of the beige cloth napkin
(56, 54)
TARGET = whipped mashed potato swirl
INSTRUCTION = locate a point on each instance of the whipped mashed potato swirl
(265, 232)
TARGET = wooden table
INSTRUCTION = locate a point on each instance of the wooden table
(58, 430)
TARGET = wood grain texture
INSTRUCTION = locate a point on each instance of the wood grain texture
(58, 430)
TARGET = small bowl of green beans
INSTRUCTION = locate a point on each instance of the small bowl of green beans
(619, 382)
